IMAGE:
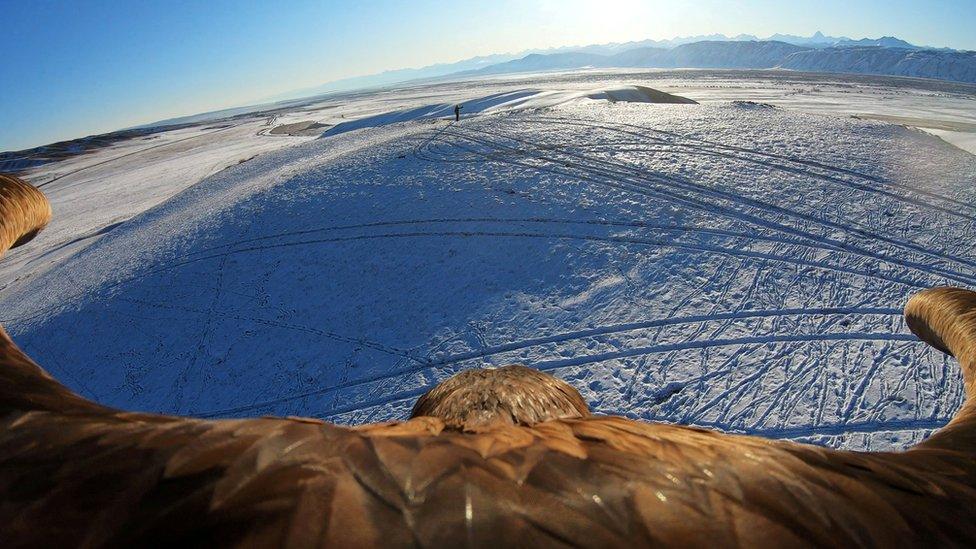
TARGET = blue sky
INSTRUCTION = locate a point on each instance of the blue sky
(77, 68)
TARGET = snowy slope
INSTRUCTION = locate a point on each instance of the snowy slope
(508, 101)
(944, 65)
(727, 265)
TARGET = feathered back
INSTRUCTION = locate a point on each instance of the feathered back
(511, 395)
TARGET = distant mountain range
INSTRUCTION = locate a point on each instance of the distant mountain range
(823, 53)
(817, 40)
(764, 54)
(399, 75)
(709, 54)
(958, 66)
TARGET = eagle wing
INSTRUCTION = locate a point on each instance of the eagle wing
(73, 472)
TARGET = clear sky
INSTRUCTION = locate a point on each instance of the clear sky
(78, 68)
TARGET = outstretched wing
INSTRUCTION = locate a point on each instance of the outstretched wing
(24, 212)
(73, 472)
(598, 482)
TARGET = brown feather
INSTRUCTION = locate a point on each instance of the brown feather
(512, 395)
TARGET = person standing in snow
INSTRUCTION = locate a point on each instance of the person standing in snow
(457, 113)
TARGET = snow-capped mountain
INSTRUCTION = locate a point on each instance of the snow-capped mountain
(884, 42)
(714, 54)
(817, 40)
(552, 61)
(708, 54)
(820, 40)
(897, 59)
(943, 65)
(506, 62)
(398, 75)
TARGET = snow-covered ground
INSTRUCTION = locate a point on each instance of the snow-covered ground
(726, 264)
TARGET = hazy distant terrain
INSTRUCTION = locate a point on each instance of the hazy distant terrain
(738, 263)
(868, 59)
(886, 55)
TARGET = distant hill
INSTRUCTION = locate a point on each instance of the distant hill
(709, 54)
(884, 41)
(553, 61)
(939, 64)
(819, 40)
(394, 76)
(498, 63)
(883, 56)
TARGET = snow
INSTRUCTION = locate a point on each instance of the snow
(91, 194)
(510, 101)
(959, 66)
(727, 265)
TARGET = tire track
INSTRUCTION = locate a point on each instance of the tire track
(679, 228)
(624, 169)
(816, 241)
(589, 123)
(121, 156)
(658, 323)
(559, 236)
(534, 220)
(750, 340)
(284, 325)
(854, 427)
(550, 365)
(713, 208)
(690, 150)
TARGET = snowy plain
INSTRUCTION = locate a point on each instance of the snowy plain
(738, 264)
